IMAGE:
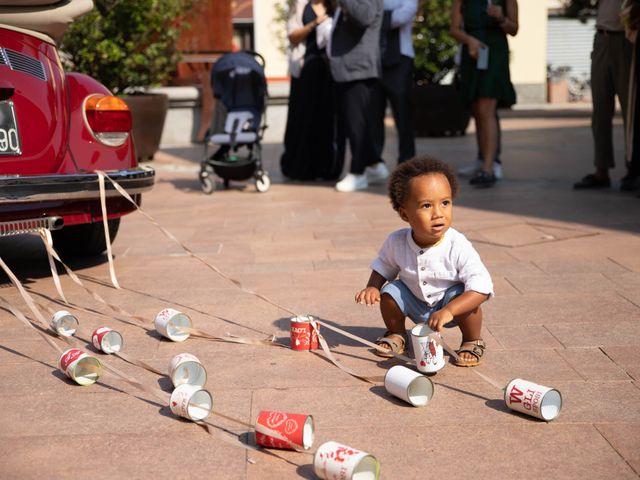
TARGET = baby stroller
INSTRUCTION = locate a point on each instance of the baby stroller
(240, 90)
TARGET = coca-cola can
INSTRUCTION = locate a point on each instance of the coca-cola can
(191, 401)
(533, 399)
(63, 323)
(107, 340)
(83, 368)
(185, 368)
(335, 461)
(303, 335)
(172, 324)
(297, 428)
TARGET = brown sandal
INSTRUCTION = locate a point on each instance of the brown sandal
(475, 348)
(396, 343)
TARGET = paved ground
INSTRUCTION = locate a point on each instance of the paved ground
(566, 267)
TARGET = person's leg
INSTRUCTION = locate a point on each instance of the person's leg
(378, 107)
(486, 116)
(603, 97)
(356, 104)
(398, 82)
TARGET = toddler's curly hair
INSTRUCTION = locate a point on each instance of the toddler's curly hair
(421, 165)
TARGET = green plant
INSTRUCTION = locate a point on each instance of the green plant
(128, 45)
(435, 48)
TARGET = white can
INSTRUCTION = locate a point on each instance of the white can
(107, 340)
(192, 402)
(63, 323)
(83, 368)
(186, 369)
(408, 385)
(427, 349)
(173, 324)
(533, 399)
(335, 461)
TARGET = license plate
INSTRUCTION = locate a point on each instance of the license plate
(9, 136)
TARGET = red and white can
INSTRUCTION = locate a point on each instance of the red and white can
(191, 401)
(83, 368)
(107, 340)
(297, 428)
(533, 399)
(172, 324)
(185, 368)
(334, 461)
(303, 335)
(63, 323)
(427, 349)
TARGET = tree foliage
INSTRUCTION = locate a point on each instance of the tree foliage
(128, 45)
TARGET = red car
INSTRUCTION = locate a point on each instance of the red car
(56, 130)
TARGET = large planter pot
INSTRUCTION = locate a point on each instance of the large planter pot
(148, 112)
(438, 111)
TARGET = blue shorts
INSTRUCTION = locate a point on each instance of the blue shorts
(418, 310)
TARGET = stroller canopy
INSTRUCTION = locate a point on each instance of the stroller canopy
(238, 80)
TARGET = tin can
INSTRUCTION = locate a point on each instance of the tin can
(107, 340)
(334, 461)
(295, 427)
(427, 349)
(83, 368)
(63, 323)
(173, 324)
(191, 401)
(533, 399)
(408, 385)
(303, 336)
(185, 368)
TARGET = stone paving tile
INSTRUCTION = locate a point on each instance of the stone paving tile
(524, 336)
(593, 364)
(104, 456)
(591, 402)
(624, 333)
(583, 283)
(625, 438)
(627, 358)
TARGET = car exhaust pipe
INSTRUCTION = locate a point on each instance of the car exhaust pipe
(30, 225)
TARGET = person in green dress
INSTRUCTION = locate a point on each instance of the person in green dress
(482, 26)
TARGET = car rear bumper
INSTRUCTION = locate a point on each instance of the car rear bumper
(39, 188)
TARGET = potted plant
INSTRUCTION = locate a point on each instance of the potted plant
(130, 46)
(438, 109)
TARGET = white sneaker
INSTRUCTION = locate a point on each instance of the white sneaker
(352, 182)
(472, 168)
(377, 174)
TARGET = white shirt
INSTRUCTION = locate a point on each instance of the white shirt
(428, 272)
(402, 16)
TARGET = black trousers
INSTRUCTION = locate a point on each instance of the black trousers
(355, 103)
(395, 87)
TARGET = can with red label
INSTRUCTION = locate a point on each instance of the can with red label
(303, 335)
(334, 461)
(83, 368)
(63, 323)
(107, 340)
(173, 324)
(296, 429)
(533, 399)
(191, 401)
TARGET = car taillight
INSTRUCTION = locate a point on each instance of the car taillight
(108, 118)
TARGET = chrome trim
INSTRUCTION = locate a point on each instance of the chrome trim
(36, 188)
(30, 225)
(19, 62)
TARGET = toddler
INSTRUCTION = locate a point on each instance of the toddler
(428, 272)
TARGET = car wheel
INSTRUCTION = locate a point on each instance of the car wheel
(85, 240)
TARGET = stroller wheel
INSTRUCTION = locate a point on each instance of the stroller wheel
(263, 182)
(207, 184)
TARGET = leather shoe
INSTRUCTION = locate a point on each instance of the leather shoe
(591, 182)
(630, 183)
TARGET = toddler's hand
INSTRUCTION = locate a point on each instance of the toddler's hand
(368, 296)
(438, 319)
